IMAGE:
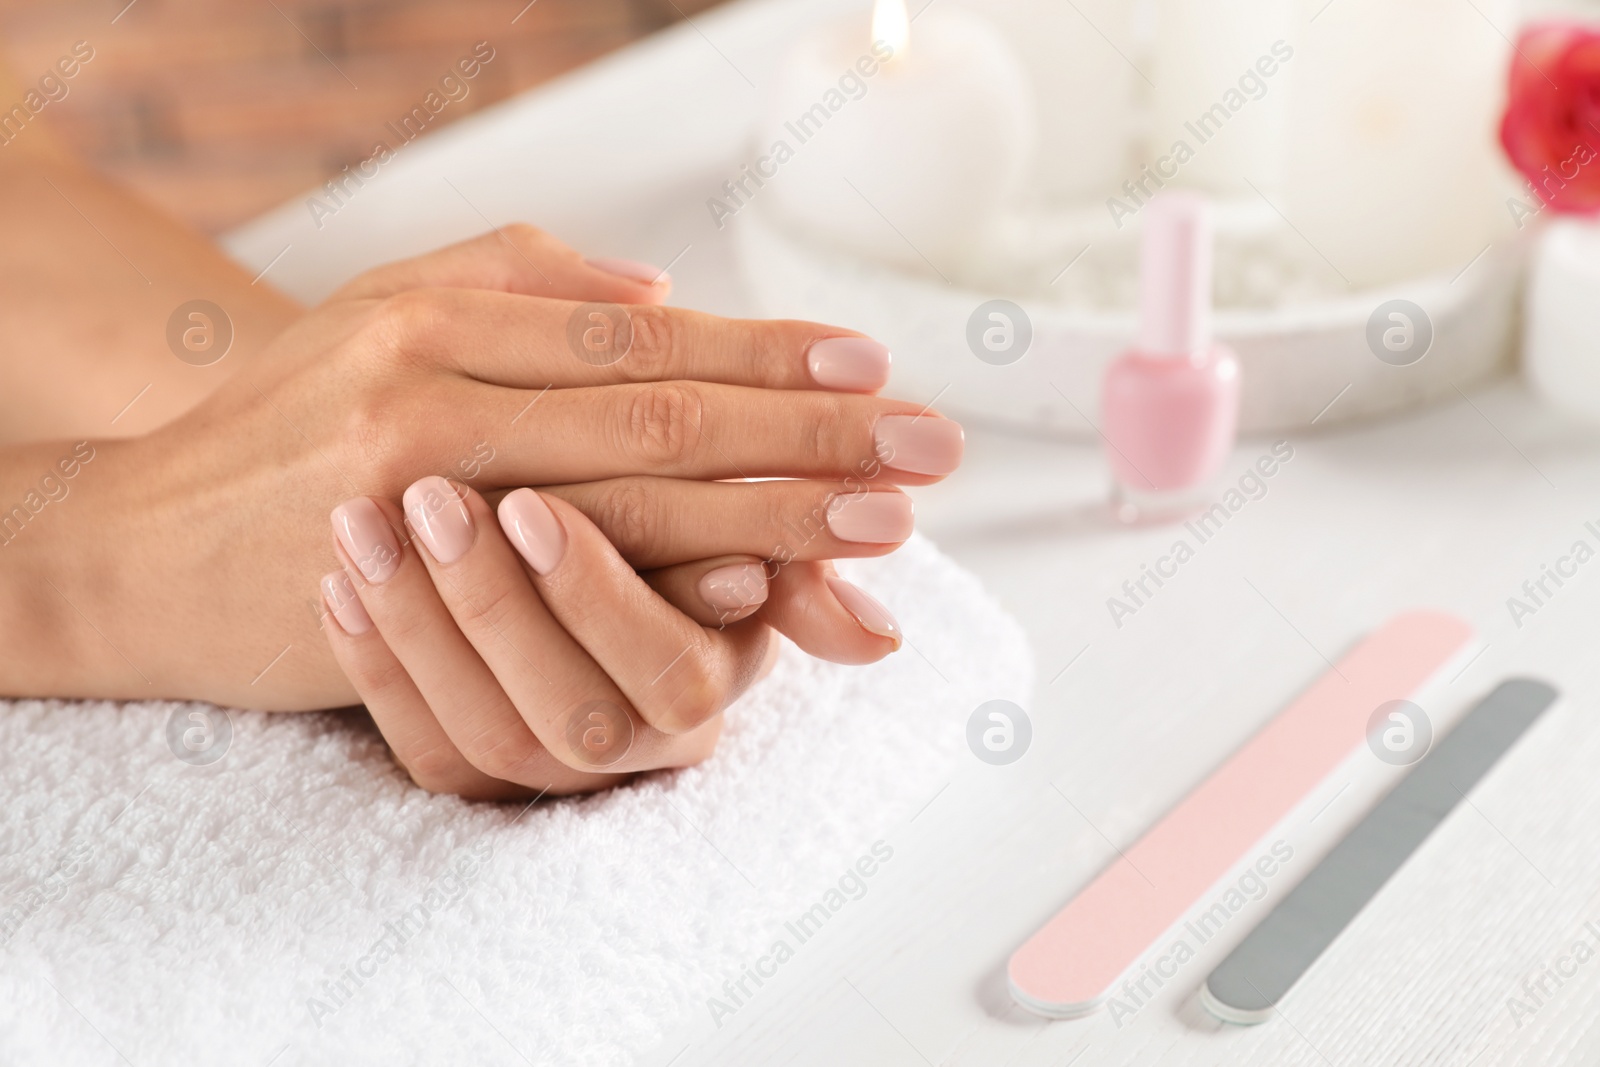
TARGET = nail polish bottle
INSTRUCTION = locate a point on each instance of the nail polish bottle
(1170, 404)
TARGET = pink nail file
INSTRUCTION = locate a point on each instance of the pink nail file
(1075, 961)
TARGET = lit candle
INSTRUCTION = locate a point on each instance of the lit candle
(1394, 169)
(900, 141)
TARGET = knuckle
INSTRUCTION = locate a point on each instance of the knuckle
(401, 321)
(523, 244)
(599, 735)
(654, 332)
(769, 354)
(401, 628)
(435, 768)
(698, 691)
(662, 423)
(505, 756)
(480, 604)
(628, 516)
(377, 679)
(821, 431)
(525, 235)
(377, 431)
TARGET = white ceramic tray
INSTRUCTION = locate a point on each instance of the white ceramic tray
(1307, 360)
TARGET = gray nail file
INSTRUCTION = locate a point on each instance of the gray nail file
(1246, 987)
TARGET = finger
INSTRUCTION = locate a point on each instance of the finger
(797, 599)
(576, 701)
(659, 522)
(517, 259)
(418, 742)
(712, 592)
(703, 431)
(827, 616)
(507, 339)
(677, 673)
(398, 592)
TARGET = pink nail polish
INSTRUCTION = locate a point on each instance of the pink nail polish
(439, 518)
(873, 616)
(367, 539)
(734, 588)
(534, 530)
(631, 269)
(919, 444)
(854, 364)
(871, 518)
(1170, 405)
(339, 594)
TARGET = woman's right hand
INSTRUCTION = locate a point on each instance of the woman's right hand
(180, 564)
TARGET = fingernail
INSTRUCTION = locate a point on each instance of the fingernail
(439, 518)
(367, 539)
(871, 518)
(534, 530)
(734, 587)
(873, 616)
(857, 364)
(339, 593)
(631, 269)
(919, 444)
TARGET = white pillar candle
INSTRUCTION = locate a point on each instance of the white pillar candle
(1394, 166)
(1079, 59)
(1222, 77)
(1562, 318)
(898, 139)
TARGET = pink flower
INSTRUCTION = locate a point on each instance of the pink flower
(1551, 128)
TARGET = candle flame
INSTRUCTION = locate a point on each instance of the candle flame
(891, 24)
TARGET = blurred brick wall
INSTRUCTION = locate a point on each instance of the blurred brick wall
(219, 110)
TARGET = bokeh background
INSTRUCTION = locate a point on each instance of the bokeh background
(218, 111)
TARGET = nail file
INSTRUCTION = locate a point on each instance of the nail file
(1246, 987)
(1073, 963)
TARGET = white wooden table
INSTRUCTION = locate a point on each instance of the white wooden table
(1454, 507)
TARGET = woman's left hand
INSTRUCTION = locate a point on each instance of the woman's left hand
(511, 654)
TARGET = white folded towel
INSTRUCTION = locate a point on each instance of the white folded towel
(158, 913)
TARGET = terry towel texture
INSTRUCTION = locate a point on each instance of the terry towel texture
(173, 914)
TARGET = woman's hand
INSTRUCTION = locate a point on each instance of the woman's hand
(178, 567)
(510, 655)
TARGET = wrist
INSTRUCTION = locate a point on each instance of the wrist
(47, 502)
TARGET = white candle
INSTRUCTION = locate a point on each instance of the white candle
(900, 140)
(1079, 59)
(1222, 89)
(1394, 167)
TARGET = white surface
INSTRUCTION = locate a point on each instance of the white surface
(1454, 508)
(165, 912)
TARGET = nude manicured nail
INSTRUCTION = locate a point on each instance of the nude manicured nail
(871, 518)
(735, 587)
(631, 269)
(367, 539)
(873, 616)
(919, 444)
(339, 593)
(534, 530)
(439, 518)
(857, 364)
